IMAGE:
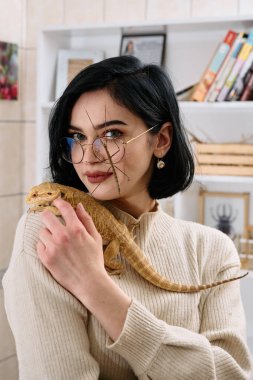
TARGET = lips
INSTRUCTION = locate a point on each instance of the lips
(97, 177)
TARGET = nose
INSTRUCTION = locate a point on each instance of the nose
(89, 156)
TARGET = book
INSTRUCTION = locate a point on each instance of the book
(248, 90)
(242, 57)
(226, 68)
(212, 69)
(241, 80)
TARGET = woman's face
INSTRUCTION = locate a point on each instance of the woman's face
(97, 114)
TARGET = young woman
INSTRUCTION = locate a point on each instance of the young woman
(73, 320)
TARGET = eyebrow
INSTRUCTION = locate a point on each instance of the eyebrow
(100, 126)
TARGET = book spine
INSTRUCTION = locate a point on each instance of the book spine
(226, 68)
(239, 85)
(248, 91)
(211, 71)
(242, 57)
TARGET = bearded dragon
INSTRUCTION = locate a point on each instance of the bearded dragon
(112, 230)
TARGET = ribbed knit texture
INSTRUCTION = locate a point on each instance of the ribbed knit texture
(177, 336)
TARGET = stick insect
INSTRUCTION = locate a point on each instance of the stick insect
(112, 165)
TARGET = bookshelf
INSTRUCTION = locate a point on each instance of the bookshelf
(189, 45)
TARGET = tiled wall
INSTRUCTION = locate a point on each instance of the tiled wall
(20, 21)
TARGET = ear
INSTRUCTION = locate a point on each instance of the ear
(164, 140)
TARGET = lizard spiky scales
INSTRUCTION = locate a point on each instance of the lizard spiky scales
(112, 231)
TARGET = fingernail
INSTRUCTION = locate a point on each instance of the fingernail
(80, 206)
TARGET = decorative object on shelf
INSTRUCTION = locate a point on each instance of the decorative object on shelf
(224, 159)
(8, 71)
(149, 48)
(228, 212)
(70, 63)
(246, 248)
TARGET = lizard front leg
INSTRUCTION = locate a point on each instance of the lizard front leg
(112, 264)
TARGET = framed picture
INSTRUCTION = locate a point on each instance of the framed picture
(246, 242)
(70, 63)
(8, 71)
(228, 212)
(245, 248)
(149, 48)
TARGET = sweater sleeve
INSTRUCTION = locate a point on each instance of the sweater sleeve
(156, 350)
(48, 323)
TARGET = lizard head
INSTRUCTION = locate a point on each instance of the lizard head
(41, 197)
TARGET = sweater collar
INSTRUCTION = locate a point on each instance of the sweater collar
(149, 225)
(129, 220)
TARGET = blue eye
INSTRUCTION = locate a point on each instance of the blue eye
(78, 136)
(113, 134)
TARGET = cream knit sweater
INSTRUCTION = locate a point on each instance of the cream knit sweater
(166, 335)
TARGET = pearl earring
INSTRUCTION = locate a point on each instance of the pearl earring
(160, 164)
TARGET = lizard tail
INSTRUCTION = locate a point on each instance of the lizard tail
(173, 287)
(145, 270)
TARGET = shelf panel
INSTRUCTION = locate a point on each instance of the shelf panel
(193, 22)
(216, 106)
(223, 179)
(188, 39)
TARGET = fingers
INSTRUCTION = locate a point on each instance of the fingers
(51, 221)
(44, 243)
(45, 235)
(71, 217)
(86, 220)
(66, 210)
(45, 240)
(40, 249)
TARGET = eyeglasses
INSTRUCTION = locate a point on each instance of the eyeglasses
(105, 149)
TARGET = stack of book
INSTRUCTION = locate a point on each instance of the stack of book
(229, 75)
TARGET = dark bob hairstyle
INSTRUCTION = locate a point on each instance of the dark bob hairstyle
(146, 91)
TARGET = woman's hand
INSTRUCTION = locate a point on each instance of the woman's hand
(73, 253)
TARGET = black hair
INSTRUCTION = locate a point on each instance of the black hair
(146, 91)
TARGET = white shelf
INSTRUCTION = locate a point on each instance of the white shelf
(189, 45)
(194, 22)
(216, 106)
(223, 179)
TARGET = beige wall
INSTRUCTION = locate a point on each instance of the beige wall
(20, 21)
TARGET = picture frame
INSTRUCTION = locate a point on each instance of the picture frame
(70, 62)
(226, 211)
(245, 248)
(9, 86)
(149, 48)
